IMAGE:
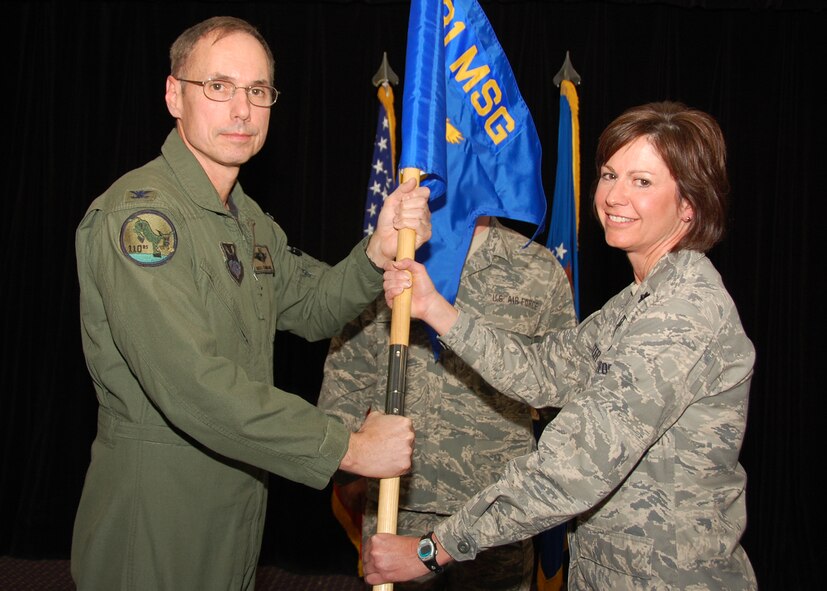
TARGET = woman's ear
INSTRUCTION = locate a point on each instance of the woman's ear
(687, 212)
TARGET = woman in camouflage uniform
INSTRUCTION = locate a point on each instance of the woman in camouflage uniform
(654, 387)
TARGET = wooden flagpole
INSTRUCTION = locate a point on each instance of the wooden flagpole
(397, 363)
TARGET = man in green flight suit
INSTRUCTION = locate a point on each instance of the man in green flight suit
(184, 281)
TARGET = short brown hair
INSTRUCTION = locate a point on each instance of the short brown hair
(181, 49)
(692, 146)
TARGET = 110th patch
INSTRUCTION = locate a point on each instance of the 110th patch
(148, 238)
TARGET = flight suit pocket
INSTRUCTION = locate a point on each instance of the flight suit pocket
(222, 306)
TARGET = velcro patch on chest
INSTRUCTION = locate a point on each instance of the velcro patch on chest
(142, 194)
(234, 266)
(148, 238)
(262, 261)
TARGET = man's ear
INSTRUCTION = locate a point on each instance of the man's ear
(173, 97)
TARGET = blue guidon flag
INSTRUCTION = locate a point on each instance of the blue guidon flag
(466, 126)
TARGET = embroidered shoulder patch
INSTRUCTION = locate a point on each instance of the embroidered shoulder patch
(148, 238)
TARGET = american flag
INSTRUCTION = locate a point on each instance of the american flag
(382, 178)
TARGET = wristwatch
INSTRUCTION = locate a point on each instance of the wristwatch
(426, 550)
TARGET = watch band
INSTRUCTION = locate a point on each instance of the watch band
(426, 550)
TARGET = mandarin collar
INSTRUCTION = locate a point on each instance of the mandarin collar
(192, 177)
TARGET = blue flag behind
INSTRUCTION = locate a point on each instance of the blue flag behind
(552, 550)
(465, 125)
(562, 234)
(381, 181)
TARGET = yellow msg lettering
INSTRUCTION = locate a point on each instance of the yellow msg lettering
(456, 28)
(499, 133)
(473, 75)
(449, 4)
(491, 93)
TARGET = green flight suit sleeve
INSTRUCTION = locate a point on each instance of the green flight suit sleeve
(315, 299)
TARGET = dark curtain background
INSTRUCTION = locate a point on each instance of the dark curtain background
(82, 92)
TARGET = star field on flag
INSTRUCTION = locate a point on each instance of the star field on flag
(381, 181)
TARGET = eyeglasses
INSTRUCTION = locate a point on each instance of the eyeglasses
(221, 91)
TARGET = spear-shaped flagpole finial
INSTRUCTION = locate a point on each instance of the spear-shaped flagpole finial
(567, 72)
(385, 73)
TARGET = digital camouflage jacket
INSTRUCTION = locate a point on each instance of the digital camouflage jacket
(644, 452)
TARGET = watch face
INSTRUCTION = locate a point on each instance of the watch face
(425, 549)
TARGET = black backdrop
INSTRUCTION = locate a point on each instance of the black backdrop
(82, 91)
